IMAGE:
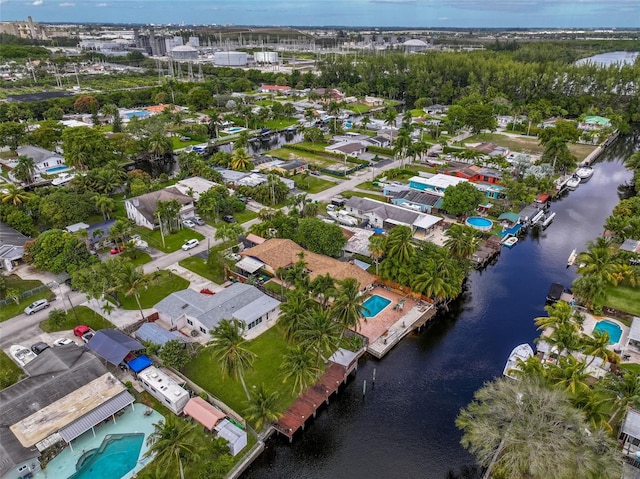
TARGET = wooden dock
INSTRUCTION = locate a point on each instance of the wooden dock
(309, 402)
(487, 250)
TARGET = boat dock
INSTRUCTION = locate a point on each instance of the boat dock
(487, 251)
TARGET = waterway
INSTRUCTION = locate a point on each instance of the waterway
(610, 58)
(404, 427)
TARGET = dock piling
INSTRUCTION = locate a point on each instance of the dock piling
(374, 376)
(364, 388)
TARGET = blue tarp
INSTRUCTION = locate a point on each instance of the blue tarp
(112, 345)
(140, 363)
(379, 231)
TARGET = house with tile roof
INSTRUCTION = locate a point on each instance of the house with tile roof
(142, 209)
(279, 253)
(202, 313)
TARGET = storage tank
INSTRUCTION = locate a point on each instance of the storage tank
(184, 52)
(266, 57)
(233, 59)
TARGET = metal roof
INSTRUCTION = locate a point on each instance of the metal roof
(113, 345)
(96, 416)
(157, 334)
(631, 425)
(249, 265)
(634, 331)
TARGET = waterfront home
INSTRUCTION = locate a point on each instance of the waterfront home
(436, 184)
(193, 311)
(164, 388)
(11, 247)
(373, 101)
(290, 168)
(348, 148)
(278, 253)
(594, 123)
(357, 242)
(633, 338)
(477, 174)
(417, 200)
(68, 392)
(252, 179)
(142, 209)
(388, 216)
(45, 161)
(194, 186)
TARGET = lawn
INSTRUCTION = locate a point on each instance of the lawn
(368, 185)
(177, 144)
(359, 107)
(159, 285)
(140, 259)
(623, 298)
(349, 194)
(84, 315)
(15, 282)
(274, 287)
(10, 372)
(199, 266)
(246, 215)
(312, 184)
(633, 367)
(173, 241)
(281, 124)
(269, 346)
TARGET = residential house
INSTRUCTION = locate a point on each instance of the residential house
(594, 123)
(357, 242)
(352, 149)
(194, 186)
(156, 334)
(202, 313)
(633, 339)
(68, 392)
(331, 94)
(240, 178)
(388, 216)
(380, 141)
(236, 437)
(436, 184)
(630, 434)
(279, 253)
(392, 189)
(45, 161)
(11, 247)
(142, 209)
(279, 89)
(436, 109)
(477, 174)
(417, 200)
(290, 168)
(98, 234)
(373, 101)
(164, 388)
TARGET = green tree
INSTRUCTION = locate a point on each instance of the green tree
(229, 347)
(319, 332)
(241, 160)
(174, 354)
(263, 407)
(377, 248)
(298, 365)
(462, 199)
(320, 237)
(518, 428)
(57, 251)
(170, 443)
(85, 147)
(480, 117)
(348, 305)
(56, 318)
(131, 280)
(462, 241)
(13, 195)
(599, 261)
(293, 310)
(229, 231)
(105, 205)
(12, 134)
(399, 246)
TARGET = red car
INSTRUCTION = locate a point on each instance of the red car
(117, 249)
(80, 330)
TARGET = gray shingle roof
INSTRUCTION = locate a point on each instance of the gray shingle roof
(36, 153)
(146, 204)
(240, 301)
(418, 197)
(11, 237)
(157, 334)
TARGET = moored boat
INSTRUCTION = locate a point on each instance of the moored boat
(584, 172)
(21, 354)
(521, 352)
(510, 241)
(572, 258)
(573, 182)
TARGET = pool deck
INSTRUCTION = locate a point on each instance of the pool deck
(131, 421)
(389, 326)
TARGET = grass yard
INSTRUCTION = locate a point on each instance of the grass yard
(312, 184)
(368, 185)
(359, 107)
(84, 315)
(623, 298)
(173, 241)
(177, 143)
(316, 159)
(10, 372)
(200, 267)
(161, 284)
(140, 259)
(268, 347)
(274, 287)
(15, 282)
(281, 124)
(246, 215)
(633, 367)
(349, 194)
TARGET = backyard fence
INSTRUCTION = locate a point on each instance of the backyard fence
(28, 294)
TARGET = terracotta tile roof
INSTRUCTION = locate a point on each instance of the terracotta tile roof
(280, 253)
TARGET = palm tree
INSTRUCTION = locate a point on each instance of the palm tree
(439, 280)
(299, 366)
(229, 231)
(25, 169)
(131, 280)
(570, 375)
(105, 205)
(229, 347)
(399, 244)
(390, 115)
(559, 314)
(293, 310)
(590, 290)
(366, 120)
(318, 331)
(242, 141)
(170, 443)
(159, 145)
(348, 305)
(241, 160)
(462, 241)
(625, 390)
(214, 124)
(599, 260)
(596, 346)
(377, 245)
(263, 407)
(119, 230)
(323, 286)
(107, 179)
(13, 195)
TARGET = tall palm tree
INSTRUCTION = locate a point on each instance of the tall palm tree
(596, 346)
(229, 231)
(625, 390)
(399, 244)
(298, 365)
(323, 286)
(130, 281)
(25, 169)
(348, 305)
(119, 231)
(462, 241)
(241, 160)
(13, 195)
(559, 314)
(242, 141)
(105, 205)
(170, 443)
(159, 145)
(570, 375)
(293, 310)
(590, 290)
(229, 347)
(320, 333)
(599, 260)
(377, 245)
(263, 407)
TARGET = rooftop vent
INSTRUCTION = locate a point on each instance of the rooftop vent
(185, 305)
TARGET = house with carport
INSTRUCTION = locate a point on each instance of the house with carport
(189, 310)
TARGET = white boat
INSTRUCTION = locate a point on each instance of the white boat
(573, 182)
(584, 172)
(572, 258)
(548, 219)
(62, 179)
(521, 352)
(537, 217)
(510, 241)
(343, 218)
(21, 354)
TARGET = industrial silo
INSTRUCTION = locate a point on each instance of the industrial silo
(230, 59)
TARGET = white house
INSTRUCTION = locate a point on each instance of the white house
(142, 209)
(202, 313)
(45, 161)
(349, 148)
(164, 388)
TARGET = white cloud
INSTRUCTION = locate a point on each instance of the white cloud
(102, 5)
(37, 3)
(66, 4)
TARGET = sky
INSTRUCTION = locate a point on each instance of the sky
(382, 13)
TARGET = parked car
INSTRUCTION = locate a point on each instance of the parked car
(117, 250)
(63, 342)
(86, 337)
(39, 347)
(189, 244)
(36, 306)
(315, 172)
(199, 221)
(188, 223)
(81, 329)
(229, 219)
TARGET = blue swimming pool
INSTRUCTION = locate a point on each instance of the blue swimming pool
(373, 305)
(479, 223)
(138, 113)
(612, 329)
(57, 169)
(116, 456)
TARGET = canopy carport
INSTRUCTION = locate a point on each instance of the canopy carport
(112, 345)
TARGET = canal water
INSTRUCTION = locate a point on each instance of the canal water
(404, 426)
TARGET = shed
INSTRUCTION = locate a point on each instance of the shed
(112, 345)
(203, 412)
(509, 216)
(237, 437)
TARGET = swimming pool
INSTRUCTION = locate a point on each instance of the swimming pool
(233, 129)
(57, 169)
(115, 457)
(138, 113)
(612, 329)
(373, 305)
(479, 223)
